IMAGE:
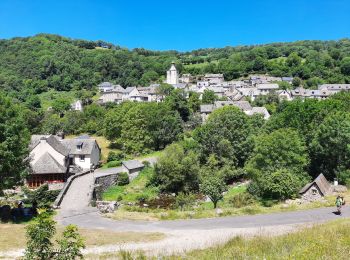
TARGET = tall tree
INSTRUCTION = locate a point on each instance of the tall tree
(330, 150)
(14, 140)
(177, 170)
(225, 134)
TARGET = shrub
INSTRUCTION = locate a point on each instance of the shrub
(115, 156)
(114, 164)
(241, 200)
(184, 200)
(280, 185)
(146, 163)
(123, 179)
(42, 196)
(142, 198)
(164, 201)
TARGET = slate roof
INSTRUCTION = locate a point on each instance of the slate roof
(287, 79)
(129, 89)
(214, 76)
(105, 85)
(47, 164)
(244, 105)
(35, 140)
(321, 182)
(180, 85)
(57, 145)
(268, 86)
(118, 89)
(86, 149)
(217, 89)
(51, 140)
(335, 86)
(132, 164)
(207, 108)
(260, 110)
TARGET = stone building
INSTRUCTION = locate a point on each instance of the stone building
(316, 190)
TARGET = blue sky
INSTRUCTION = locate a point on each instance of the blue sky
(178, 24)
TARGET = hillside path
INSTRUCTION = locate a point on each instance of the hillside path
(77, 199)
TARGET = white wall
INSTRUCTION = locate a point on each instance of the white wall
(94, 159)
(83, 164)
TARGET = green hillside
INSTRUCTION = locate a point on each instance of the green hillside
(36, 64)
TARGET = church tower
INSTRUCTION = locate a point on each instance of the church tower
(171, 75)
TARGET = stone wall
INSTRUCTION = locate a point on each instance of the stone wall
(312, 194)
(102, 184)
(106, 206)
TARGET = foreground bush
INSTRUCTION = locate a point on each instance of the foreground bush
(39, 241)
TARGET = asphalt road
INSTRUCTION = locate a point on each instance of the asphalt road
(92, 219)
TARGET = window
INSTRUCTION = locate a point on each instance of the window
(314, 191)
(82, 158)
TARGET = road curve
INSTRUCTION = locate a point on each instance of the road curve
(90, 218)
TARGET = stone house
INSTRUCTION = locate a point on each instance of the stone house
(284, 95)
(316, 190)
(53, 159)
(83, 152)
(214, 78)
(105, 87)
(77, 106)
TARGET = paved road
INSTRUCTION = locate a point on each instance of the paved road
(95, 220)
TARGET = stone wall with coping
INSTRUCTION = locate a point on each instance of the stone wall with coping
(102, 183)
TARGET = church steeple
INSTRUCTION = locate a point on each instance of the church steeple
(172, 76)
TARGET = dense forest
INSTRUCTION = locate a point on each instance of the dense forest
(36, 64)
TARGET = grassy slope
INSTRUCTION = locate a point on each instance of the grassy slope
(13, 237)
(132, 191)
(47, 98)
(327, 241)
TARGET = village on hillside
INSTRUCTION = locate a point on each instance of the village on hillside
(237, 92)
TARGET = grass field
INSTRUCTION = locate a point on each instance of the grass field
(13, 237)
(327, 241)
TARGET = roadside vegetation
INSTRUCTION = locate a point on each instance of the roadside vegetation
(141, 201)
(326, 241)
